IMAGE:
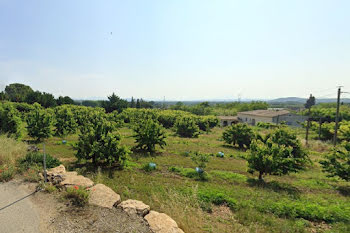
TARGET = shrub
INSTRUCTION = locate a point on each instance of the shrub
(217, 197)
(10, 122)
(186, 127)
(148, 134)
(37, 159)
(6, 172)
(337, 163)
(279, 153)
(344, 130)
(239, 135)
(39, 123)
(266, 125)
(65, 123)
(78, 195)
(97, 142)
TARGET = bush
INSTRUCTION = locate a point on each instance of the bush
(37, 159)
(337, 163)
(39, 123)
(240, 135)
(148, 134)
(344, 131)
(279, 153)
(186, 127)
(98, 143)
(217, 197)
(10, 121)
(7, 172)
(266, 125)
(78, 195)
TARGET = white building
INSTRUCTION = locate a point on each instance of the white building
(271, 116)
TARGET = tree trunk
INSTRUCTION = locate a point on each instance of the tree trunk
(261, 176)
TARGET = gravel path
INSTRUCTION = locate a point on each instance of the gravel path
(43, 212)
(21, 216)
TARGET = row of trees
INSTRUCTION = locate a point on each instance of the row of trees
(18, 92)
(280, 152)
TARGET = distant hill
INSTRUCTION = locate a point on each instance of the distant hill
(303, 100)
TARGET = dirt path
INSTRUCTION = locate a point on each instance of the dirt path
(42, 212)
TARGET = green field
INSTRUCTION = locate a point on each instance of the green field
(232, 200)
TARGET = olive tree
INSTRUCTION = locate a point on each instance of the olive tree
(278, 153)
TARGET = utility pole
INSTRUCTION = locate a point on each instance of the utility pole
(309, 103)
(337, 117)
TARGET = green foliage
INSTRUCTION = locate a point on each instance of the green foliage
(279, 153)
(6, 173)
(39, 123)
(327, 129)
(305, 210)
(344, 131)
(217, 197)
(65, 123)
(37, 159)
(148, 134)
(201, 160)
(186, 127)
(97, 142)
(337, 163)
(64, 100)
(78, 195)
(114, 103)
(239, 135)
(17, 92)
(266, 125)
(10, 122)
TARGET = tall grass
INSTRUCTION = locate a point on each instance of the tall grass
(11, 150)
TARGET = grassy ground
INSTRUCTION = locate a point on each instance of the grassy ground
(249, 206)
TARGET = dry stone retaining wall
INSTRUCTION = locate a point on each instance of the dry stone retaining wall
(101, 195)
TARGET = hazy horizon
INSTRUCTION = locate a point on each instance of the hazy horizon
(183, 50)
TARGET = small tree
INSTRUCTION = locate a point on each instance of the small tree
(10, 122)
(238, 134)
(98, 142)
(344, 130)
(201, 160)
(39, 123)
(186, 127)
(337, 163)
(279, 153)
(148, 134)
(65, 123)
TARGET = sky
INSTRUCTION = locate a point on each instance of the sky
(177, 49)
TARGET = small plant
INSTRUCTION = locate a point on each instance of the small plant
(6, 173)
(201, 160)
(220, 154)
(78, 195)
(33, 159)
(50, 188)
(148, 167)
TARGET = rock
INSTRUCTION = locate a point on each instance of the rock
(57, 170)
(103, 196)
(71, 179)
(162, 223)
(134, 207)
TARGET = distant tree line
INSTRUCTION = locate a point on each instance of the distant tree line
(17, 92)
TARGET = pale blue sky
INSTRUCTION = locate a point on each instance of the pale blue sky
(180, 49)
